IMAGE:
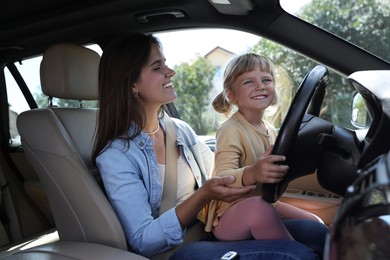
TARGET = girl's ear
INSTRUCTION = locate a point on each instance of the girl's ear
(231, 96)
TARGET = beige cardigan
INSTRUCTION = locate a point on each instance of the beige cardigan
(238, 144)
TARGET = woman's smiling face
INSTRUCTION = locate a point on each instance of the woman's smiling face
(154, 85)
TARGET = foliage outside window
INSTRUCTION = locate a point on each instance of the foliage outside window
(193, 82)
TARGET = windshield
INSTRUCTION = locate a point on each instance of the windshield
(365, 23)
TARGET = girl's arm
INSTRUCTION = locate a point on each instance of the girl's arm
(228, 154)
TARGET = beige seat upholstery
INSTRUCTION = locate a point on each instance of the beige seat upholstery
(72, 251)
(58, 143)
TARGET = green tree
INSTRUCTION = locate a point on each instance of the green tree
(356, 21)
(193, 82)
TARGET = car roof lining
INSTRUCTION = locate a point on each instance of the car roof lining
(123, 15)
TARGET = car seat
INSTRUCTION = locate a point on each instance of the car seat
(58, 142)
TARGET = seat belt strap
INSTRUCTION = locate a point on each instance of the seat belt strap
(169, 193)
(5, 233)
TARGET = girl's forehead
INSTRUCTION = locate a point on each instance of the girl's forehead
(257, 70)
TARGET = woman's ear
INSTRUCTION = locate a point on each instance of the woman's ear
(135, 91)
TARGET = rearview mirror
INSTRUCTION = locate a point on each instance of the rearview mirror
(359, 112)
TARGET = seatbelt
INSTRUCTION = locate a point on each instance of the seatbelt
(168, 201)
(5, 233)
(169, 195)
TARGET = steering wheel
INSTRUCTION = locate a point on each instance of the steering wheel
(314, 82)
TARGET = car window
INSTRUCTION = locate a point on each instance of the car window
(29, 70)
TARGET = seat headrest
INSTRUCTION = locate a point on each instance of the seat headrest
(70, 71)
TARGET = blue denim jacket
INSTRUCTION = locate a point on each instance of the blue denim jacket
(133, 186)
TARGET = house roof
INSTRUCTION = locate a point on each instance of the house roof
(217, 48)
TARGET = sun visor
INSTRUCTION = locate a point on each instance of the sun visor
(233, 7)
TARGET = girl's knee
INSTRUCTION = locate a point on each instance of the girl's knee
(260, 209)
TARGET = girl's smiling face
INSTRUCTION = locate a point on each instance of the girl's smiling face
(154, 85)
(253, 91)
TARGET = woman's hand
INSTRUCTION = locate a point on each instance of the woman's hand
(265, 169)
(213, 189)
(217, 188)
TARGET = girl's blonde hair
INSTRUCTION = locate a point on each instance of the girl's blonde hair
(235, 68)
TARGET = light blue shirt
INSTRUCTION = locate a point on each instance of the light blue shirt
(133, 186)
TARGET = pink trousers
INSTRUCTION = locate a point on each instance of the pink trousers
(256, 218)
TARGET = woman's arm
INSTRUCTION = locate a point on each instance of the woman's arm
(214, 189)
(134, 196)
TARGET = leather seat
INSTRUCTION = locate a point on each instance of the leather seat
(58, 143)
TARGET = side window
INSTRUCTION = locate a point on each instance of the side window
(28, 69)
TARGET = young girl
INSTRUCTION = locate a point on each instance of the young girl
(243, 149)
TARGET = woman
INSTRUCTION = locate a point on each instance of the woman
(134, 84)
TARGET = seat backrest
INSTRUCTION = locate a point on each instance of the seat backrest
(58, 142)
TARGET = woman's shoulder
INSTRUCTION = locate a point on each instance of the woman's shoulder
(115, 149)
(126, 145)
(116, 146)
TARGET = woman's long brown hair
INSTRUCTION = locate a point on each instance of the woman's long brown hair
(120, 67)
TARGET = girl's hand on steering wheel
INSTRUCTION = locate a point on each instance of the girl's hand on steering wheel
(266, 169)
